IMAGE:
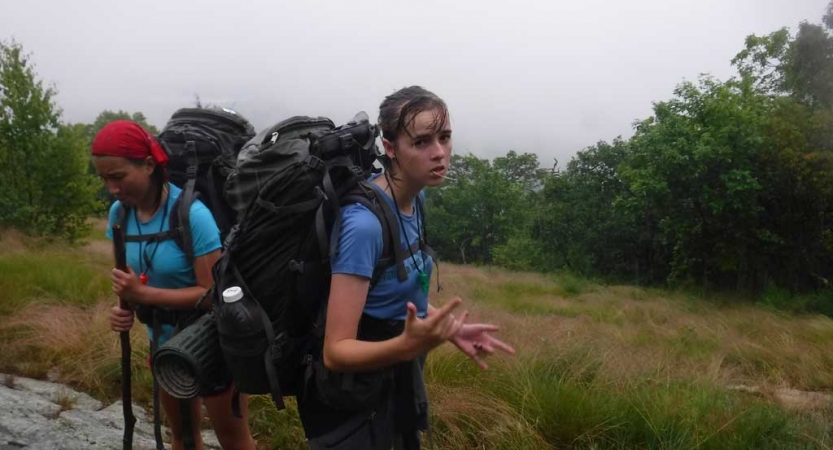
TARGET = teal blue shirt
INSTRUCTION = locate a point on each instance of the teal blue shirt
(169, 268)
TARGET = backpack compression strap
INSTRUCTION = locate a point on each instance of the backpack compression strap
(188, 196)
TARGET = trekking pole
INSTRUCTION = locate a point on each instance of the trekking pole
(124, 338)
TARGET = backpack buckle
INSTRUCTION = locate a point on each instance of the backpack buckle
(307, 359)
(357, 171)
(296, 266)
(314, 162)
(191, 171)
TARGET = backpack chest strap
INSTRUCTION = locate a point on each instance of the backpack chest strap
(155, 237)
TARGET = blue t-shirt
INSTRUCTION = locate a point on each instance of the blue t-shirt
(169, 268)
(360, 247)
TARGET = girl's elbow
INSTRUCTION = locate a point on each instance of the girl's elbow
(329, 362)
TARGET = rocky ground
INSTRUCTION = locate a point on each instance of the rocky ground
(39, 415)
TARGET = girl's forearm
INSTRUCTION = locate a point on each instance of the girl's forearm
(182, 298)
(353, 355)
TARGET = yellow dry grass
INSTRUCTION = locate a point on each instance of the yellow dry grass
(644, 333)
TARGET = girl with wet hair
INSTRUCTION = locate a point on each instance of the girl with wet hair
(370, 393)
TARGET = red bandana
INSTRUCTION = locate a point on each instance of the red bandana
(127, 139)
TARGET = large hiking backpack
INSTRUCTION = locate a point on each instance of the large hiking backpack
(202, 145)
(289, 186)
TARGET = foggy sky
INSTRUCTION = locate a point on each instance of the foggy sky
(549, 77)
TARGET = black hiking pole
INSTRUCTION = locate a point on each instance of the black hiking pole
(124, 338)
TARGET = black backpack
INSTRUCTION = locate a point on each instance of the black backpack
(202, 145)
(288, 188)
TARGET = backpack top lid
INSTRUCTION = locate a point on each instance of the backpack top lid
(219, 119)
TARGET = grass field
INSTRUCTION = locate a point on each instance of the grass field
(598, 367)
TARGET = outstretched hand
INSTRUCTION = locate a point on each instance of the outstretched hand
(477, 342)
(437, 327)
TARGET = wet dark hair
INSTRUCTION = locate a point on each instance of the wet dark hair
(158, 179)
(399, 110)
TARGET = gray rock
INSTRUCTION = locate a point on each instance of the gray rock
(39, 415)
(57, 393)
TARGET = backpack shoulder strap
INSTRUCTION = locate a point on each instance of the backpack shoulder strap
(180, 224)
(392, 251)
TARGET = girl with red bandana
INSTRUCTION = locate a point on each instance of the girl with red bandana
(160, 281)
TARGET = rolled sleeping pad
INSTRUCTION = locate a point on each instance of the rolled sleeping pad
(191, 360)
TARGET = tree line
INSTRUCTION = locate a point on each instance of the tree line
(727, 185)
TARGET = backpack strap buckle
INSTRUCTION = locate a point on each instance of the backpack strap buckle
(191, 153)
(357, 171)
(314, 162)
(295, 266)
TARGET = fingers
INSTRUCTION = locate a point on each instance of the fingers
(454, 326)
(482, 327)
(497, 343)
(117, 274)
(119, 280)
(441, 313)
(411, 313)
(485, 348)
(480, 362)
(120, 319)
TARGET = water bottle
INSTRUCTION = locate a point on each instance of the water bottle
(243, 340)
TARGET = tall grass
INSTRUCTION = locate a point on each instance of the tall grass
(49, 278)
(599, 367)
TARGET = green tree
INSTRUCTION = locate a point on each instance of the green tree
(521, 249)
(44, 184)
(108, 116)
(692, 170)
(801, 67)
(581, 228)
(477, 211)
(521, 169)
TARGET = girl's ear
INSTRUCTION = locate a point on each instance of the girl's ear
(150, 165)
(389, 149)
